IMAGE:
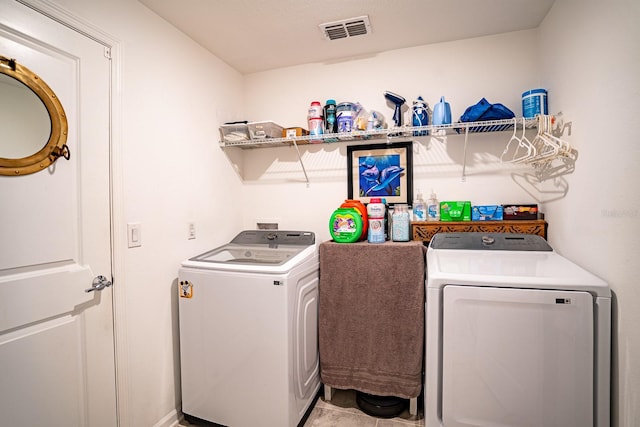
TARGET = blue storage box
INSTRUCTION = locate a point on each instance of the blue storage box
(487, 213)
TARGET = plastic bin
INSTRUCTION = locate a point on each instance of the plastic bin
(262, 130)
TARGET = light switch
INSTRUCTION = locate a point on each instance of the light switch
(134, 234)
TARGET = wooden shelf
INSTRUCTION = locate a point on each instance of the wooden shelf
(425, 230)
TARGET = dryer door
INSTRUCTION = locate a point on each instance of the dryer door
(517, 357)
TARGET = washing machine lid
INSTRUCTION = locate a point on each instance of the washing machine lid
(490, 242)
(252, 248)
(529, 264)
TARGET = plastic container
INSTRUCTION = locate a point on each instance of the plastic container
(401, 223)
(433, 208)
(419, 208)
(442, 113)
(376, 211)
(362, 209)
(345, 225)
(266, 129)
(315, 129)
(330, 111)
(387, 220)
(234, 132)
(534, 102)
(315, 110)
(344, 117)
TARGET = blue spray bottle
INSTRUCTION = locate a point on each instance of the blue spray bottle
(420, 116)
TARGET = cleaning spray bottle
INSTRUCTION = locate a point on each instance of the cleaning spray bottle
(433, 208)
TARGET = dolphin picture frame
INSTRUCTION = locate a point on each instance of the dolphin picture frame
(381, 170)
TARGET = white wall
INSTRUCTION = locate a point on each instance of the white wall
(591, 64)
(498, 68)
(174, 96)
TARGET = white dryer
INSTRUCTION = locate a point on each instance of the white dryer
(516, 335)
(248, 330)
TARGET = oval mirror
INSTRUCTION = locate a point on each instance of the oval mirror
(32, 120)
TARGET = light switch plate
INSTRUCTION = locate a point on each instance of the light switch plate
(134, 234)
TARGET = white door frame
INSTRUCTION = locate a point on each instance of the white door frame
(111, 44)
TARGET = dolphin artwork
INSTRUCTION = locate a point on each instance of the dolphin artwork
(378, 174)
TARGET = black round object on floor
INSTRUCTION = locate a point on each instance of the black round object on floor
(380, 406)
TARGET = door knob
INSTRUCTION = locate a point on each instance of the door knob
(98, 284)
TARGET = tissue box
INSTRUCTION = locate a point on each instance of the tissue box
(520, 211)
(455, 211)
(486, 213)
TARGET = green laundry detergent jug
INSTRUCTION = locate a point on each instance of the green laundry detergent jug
(345, 225)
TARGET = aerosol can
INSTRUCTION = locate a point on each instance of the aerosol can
(420, 116)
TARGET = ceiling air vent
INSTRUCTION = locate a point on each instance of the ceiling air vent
(346, 28)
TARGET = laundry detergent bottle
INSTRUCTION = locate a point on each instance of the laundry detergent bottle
(345, 225)
(362, 209)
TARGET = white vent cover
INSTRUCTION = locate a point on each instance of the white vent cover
(350, 27)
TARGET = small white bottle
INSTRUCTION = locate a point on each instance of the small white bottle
(433, 208)
(419, 208)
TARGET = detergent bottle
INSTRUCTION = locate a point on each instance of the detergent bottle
(376, 211)
(316, 122)
(345, 225)
(362, 209)
(330, 121)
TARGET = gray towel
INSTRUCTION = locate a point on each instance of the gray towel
(371, 317)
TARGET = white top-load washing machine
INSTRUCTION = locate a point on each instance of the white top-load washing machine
(516, 335)
(248, 330)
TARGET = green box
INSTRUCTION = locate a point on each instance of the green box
(455, 211)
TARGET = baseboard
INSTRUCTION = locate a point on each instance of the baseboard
(170, 420)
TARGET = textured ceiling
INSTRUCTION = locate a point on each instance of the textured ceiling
(258, 35)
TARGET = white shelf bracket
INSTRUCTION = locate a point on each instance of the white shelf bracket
(306, 177)
(464, 155)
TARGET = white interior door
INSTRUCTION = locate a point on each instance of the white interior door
(56, 340)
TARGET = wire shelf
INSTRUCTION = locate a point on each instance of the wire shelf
(405, 131)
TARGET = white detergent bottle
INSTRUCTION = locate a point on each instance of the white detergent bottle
(419, 208)
(433, 208)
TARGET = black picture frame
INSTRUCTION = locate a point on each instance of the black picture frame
(381, 170)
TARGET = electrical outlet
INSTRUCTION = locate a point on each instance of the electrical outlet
(267, 225)
(192, 231)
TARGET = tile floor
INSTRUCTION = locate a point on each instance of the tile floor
(342, 411)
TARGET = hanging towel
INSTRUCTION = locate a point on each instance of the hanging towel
(371, 317)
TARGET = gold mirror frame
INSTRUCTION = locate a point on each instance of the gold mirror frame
(57, 144)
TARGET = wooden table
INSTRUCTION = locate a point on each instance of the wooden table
(425, 230)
